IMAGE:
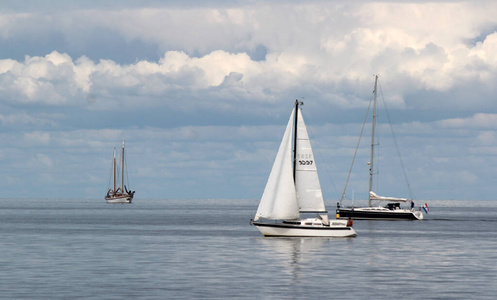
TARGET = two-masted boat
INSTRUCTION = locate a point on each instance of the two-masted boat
(293, 189)
(119, 194)
(392, 210)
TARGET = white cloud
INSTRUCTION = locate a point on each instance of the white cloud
(478, 121)
(487, 138)
(52, 79)
(312, 46)
(37, 138)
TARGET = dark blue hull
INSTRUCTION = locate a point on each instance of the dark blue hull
(345, 213)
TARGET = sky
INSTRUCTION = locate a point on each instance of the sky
(201, 91)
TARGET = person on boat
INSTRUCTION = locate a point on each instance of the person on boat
(412, 204)
(350, 222)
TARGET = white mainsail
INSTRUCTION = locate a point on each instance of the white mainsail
(309, 194)
(374, 196)
(279, 200)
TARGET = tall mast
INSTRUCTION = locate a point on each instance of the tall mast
(295, 139)
(114, 167)
(372, 141)
(122, 170)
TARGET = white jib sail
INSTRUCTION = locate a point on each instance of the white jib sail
(279, 200)
(310, 197)
(373, 196)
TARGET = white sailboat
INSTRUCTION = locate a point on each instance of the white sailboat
(391, 211)
(119, 194)
(293, 189)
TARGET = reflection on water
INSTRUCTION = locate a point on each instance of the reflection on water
(293, 245)
(292, 252)
(196, 249)
(303, 258)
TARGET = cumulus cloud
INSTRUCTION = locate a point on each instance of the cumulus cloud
(56, 80)
(409, 44)
(51, 79)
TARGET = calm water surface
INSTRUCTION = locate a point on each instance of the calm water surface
(206, 249)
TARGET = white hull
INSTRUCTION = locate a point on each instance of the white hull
(336, 228)
(121, 200)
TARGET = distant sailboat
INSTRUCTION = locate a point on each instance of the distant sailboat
(293, 188)
(392, 211)
(119, 194)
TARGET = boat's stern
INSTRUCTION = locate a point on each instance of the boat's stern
(418, 214)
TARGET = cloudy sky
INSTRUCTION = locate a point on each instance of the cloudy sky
(202, 90)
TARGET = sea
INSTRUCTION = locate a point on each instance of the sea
(206, 249)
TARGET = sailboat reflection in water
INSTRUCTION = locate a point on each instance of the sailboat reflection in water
(293, 189)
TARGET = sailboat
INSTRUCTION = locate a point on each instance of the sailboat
(392, 210)
(293, 189)
(119, 194)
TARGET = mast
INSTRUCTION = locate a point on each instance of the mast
(114, 167)
(122, 170)
(372, 142)
(295, 139)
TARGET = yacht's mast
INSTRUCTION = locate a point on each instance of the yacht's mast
(372, 141)
(122, 170)
(114, 167)
(295, 139)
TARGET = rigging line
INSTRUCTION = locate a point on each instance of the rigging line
(377, 154)
(120, 170)
(118, 176)
(126, 170)
(312, 137)
(396, 145)
(356, 148)
(111, 171)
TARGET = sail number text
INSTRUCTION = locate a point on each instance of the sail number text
(305, 162)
